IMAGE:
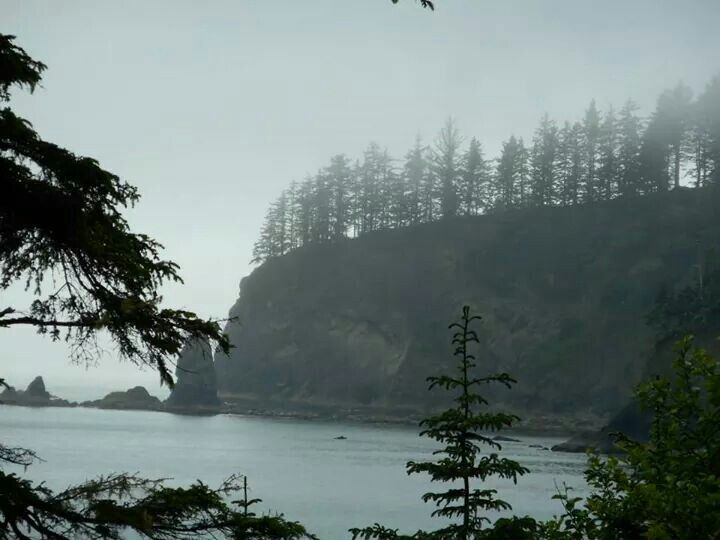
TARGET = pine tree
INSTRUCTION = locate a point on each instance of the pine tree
(416, 174)
(321, 201)
(664, 140)
(608, 156)
(570, 162)
(460, 429)
(504, 181)
(630, 141)
(591, 133)
(387, 185)
(370, 178)
(522, 173)
(274, 238)
(677, 124)
(543, 162)
(708, 117)
(474, 181)
(263, 247)
(445, 167)
(305, 212)
(339, 178)
(292, 209)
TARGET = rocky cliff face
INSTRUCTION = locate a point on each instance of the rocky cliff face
(563, 292)
(196, 383)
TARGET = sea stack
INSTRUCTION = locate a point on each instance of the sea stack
(36, 390)
(196, 384)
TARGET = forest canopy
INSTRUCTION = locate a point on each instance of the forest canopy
(604, 155)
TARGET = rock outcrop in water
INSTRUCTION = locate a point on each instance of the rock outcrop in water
(196, 383)
(564, 292)
(137, 398)
(36, 390)
(35, 395)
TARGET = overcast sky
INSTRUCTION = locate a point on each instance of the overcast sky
(211, 108)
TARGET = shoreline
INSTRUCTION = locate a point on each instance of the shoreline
(529, 428)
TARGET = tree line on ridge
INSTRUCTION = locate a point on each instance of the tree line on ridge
(603, 156)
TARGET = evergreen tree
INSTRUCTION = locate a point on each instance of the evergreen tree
(522, 173)
(474, 181)
(399, 210)
(570, 162)
(462, 429)
(304, 213)
(504, 183)
(416, 176)
(274, 238)
(263, 247)
(339, 177)
(607, 174)
(629, 140)
(321, 201)
(388, 184)
(544, 156)
(591, 134)
(677, 123)
(708, 120)
(370, 178)
(664, 140)
(293, 193)
(445, 167)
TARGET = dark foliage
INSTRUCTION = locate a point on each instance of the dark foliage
(61, 228)
(604, 156)
(108, 507)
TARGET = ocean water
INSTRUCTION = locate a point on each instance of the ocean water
(297, 467)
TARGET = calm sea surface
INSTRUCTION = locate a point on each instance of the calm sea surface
(297, 467)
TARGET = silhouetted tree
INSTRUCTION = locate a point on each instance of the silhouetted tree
(630, 140)
(339, 177)
(462, 429)
(663, 142)
(416, 174)
(61, 222)
(570, 163)
(60, 214)
(446, 167)
(708, 120)
(474, 181)
(505, 185)
(602, 157)
(543, 164)
(607, 173)
(591, 134)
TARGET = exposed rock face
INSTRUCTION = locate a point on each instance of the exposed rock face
(196, 382)
(36, 389)
(137, 398)
(35, 395)
(9, 395)
(631, 420)
(564, 294)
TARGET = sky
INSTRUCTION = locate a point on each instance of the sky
(212, 108)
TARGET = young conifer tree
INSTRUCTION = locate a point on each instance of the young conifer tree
(462, 429)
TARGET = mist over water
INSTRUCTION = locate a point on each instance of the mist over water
(297, 467)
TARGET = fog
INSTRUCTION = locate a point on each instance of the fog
(210, 109)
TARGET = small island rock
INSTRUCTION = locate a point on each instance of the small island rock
(136, 398)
